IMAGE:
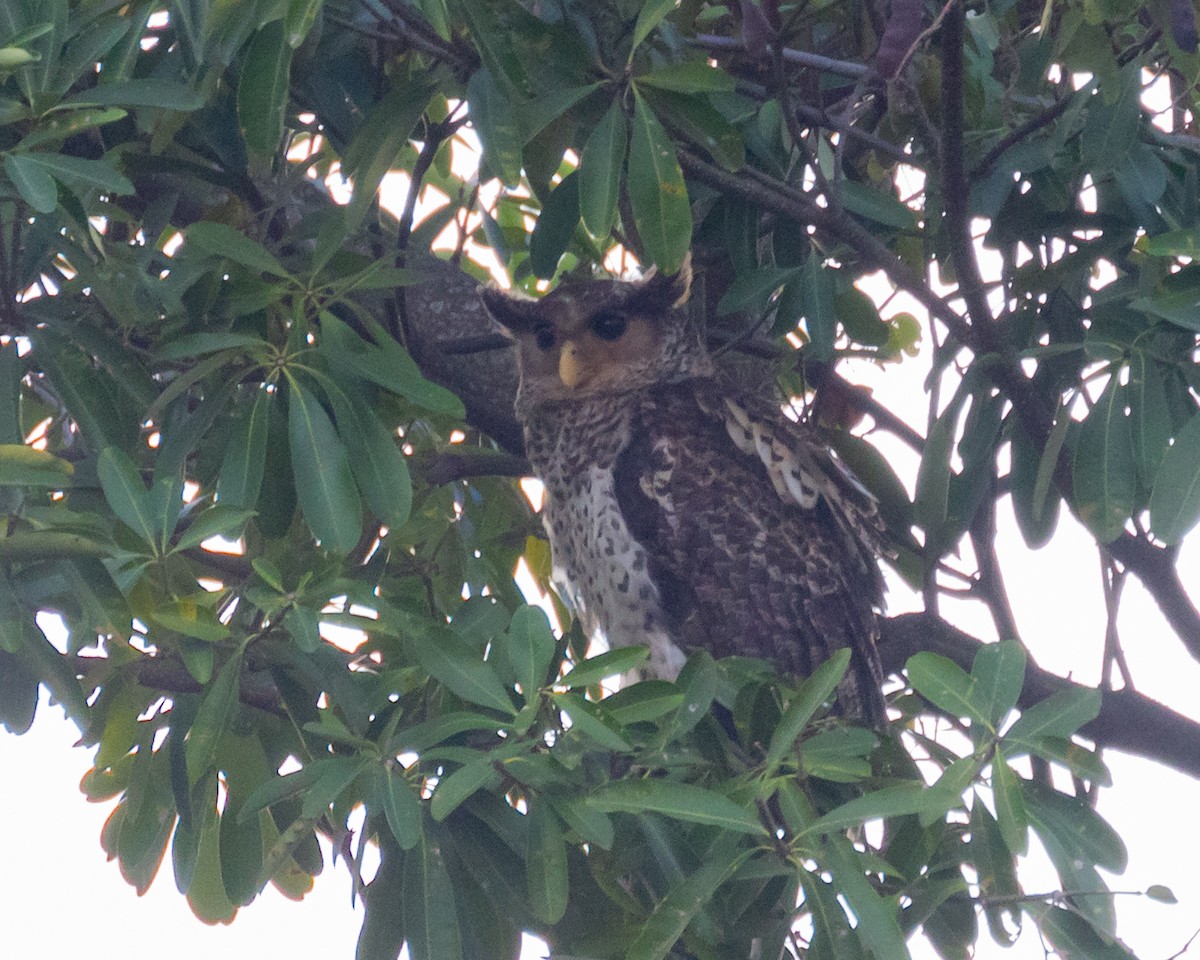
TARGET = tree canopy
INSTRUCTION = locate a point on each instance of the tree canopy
(257, 449)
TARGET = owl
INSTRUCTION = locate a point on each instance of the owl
(681, 514)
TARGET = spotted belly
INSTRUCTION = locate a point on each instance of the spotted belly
(604, 571)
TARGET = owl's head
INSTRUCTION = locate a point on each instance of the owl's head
(600, 337)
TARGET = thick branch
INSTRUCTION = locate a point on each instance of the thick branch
(1128, 721)
(955, 193)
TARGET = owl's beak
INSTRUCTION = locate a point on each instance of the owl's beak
(572, 369)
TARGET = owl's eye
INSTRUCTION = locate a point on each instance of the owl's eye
(608, 326)
(543, 336)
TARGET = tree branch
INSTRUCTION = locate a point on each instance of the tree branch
(956, 192)
(1128, 721)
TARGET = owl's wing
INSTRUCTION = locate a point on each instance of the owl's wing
(758, 542)
(803, 469)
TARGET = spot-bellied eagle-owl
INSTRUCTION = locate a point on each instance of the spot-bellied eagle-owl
(682, 515)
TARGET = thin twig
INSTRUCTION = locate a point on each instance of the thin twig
(844, 68)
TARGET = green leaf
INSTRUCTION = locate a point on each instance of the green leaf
(377, 145)
(833, 936)
(932, 500)
(591, 722)
(1059, 715)
(424, 735)
(450, 661)
(22, 465)
(694, 116)
(495, 121)
(820, 319)
(1073, 937)
(555, 227)
(1082, 762)
(1150, 417)
(262, 92)
(996, 868)
(451, 792)
(529, 646)
(304, 627)
(337, 773)
(546, 863)
(375, 456)
(657, 192)
(877, 203)
(1104, 479)
(1157, 891)
(18, 692)
(1175, 243)
(274, 790)
(222, 240)
(1010, 807)
(218, 521)
(430, 915)
(57, 672)
(1175, 499)
(997, 674)
(838, 754)
(298, 21)
(689, 76)
(681, 801)
(753, 290)
(1112, 129)
(895, 801)
(246, 456)
(164, 94)
(589, 824)
(643, 701)
(877, 925)
(813, 692)
(600, 171)
(401, 808)
(382, 934)
(687, 898)
(324, 481)
(11, 375)
(213, 718)
(535, 116)
(190, 620)
(384, 362)
(1180, 307)
(651, 14)
(126, 494)
(75, 173)
(698, 681)
(33, 182)
(609, 664)
(947, 686)
(1077, 829)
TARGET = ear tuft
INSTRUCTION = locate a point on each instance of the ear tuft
(514, 312)
(660, 292)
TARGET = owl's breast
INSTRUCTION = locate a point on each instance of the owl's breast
(603, 568)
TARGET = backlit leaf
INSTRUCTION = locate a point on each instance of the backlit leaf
(324, 481)
(1175, 500)
(657, 192)
(1104, 478)
(682, 801)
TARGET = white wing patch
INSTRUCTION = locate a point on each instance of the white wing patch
(788, 475)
